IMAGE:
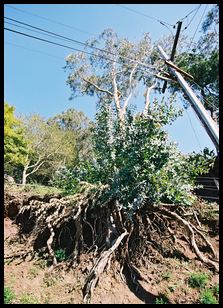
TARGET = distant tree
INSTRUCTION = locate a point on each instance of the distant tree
(202, 62)
(49, 147)
(79, 126)
(15, 147)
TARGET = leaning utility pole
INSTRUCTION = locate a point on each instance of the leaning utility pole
(209, 124)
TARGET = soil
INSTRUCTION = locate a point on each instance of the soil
(165, 279)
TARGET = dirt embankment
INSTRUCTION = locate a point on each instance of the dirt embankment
(165, 276)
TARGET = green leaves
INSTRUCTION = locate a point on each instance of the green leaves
(133, 155)
(138, 162)
(203, 63)
(15, 145)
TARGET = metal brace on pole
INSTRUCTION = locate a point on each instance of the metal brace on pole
(207, 121)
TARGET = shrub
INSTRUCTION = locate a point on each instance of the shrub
(138, 163)
(60, 255)
(207, 297)
(198, 280)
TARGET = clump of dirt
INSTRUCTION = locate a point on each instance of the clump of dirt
(14, 200)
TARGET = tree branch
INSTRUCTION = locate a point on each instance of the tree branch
(34, 165)
(97, 87)
(131, 91)
(147, 102)
(37, 168)
(116, 92)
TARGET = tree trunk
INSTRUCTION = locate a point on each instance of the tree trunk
(24, 176)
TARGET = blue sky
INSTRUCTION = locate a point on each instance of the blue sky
(34, 79)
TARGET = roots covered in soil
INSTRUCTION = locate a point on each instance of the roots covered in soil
(62, 229)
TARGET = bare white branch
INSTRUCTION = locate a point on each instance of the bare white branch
(131, 91)
(147, 102)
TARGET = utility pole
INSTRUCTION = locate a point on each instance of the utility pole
(173, 49)
(208, 123)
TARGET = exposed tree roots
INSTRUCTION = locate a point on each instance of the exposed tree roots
(83, 224)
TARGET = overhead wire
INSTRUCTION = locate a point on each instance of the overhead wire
(186, 27)
(195, 134)
(69, 47)
(49, 19)
(191, 41)
(35, 31)
(197, 27)
(187, 15)
(145, 15)
(168, 29)
(206, 101)
(34, 50)
(78, 42)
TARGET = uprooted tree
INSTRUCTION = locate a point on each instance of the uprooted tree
(131, 199)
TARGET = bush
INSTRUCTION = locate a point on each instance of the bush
(198, 280)
(60, 255)
(207, 297)
(138, 163)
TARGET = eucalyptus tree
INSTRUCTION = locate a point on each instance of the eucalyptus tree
(113, 72)
(136, 193)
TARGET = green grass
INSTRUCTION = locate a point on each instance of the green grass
(162, 299)
(34, 188)
(27, 298)
(198, 280)
(207, 297)
(9, 295)
(216, 289)
(33, 272)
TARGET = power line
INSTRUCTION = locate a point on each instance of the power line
(145, 15)
(35, 31)
(49, 19)
(167, 28)
(34, 50)
(192, 17)
(195, 134)
(197, 27)
(189, 13)
(54, 43)
(78, 42)
(206, 101)
(72, 48)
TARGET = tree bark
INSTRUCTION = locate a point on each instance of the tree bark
(24, 175)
